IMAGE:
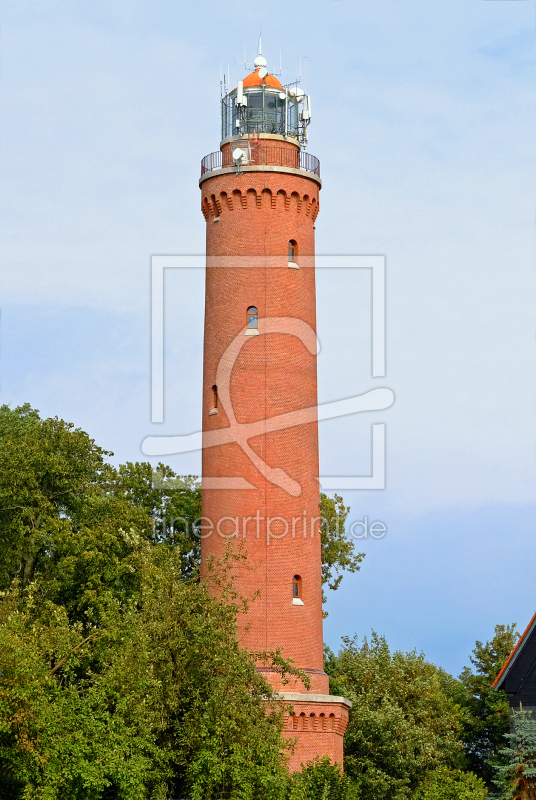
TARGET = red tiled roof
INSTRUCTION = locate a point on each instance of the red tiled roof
(514, 651)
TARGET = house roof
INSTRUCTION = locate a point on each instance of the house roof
(510, 661)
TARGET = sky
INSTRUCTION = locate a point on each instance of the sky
(424, 125)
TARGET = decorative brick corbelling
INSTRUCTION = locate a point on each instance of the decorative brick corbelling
(213, 205)
(216, 205)
(317, 728)
(286, 199)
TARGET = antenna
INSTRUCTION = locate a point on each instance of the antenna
(239, 156)
(241, 99)
(260, 42)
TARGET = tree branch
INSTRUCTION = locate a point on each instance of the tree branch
(63, 660)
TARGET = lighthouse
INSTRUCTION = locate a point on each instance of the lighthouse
(260, 491)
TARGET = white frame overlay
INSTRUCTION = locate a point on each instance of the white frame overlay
(380, 398)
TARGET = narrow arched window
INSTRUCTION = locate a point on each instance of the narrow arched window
(292, 250)
(296, 586)
(214, 409)
(253, 317)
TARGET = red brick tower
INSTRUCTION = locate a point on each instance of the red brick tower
(260, 430)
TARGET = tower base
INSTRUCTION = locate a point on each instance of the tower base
(318, 723)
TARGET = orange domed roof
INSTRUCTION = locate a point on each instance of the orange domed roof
(255, 80)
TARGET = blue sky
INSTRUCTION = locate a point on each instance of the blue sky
(424, 125)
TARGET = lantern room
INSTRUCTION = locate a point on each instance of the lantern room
(261, 104)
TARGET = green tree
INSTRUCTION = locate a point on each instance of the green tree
(402, 725)
(172, 502)
(120, 676)
(152, 699)
(451, 784)
(488, 719)
(517, 777)
(55, 482)
(66, 727)
(321, 780)
(338, 552)
(46, 468)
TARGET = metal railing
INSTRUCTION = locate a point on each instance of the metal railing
(264, 156)
(211, 162)
(309, 163)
